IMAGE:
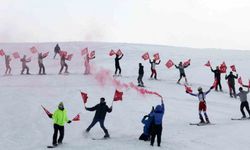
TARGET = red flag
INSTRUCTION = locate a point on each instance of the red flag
(208, 64)
(92, 54)
(119, 52)
(240, 81)
(169, 63)
(84, 97)
(186, 63)
(84, 51)
(233, 68)
(118, 96)
(69, 57)
(63, 53)
(145, 56)
(33, 50)
(156, 56)
(188, 89)
(223, 68)
(45, 54)
(76, 118)
(112, 52)
(2, 52)
(47, 112)
(16, 55)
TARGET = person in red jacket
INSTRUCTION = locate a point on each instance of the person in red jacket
(24, 64)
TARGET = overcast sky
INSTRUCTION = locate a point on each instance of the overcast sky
(192, 23)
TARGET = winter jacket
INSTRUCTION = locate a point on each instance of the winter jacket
(243, 95)
(57, 49)
(63, 58)
(216, 73)
(101, 110)
(24, 61)
(158, 114)
(40, 59)
(230, 78)
(153, 64)
(201, 95)
(181, 68)
(60, 117)
(117, 58)
(141, 70)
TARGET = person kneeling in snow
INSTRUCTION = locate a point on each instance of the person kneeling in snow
(157, 116)
(202, 104)
(60, 118)
(100, 114)
(147, 121)
(243, 98)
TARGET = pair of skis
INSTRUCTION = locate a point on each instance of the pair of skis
(201, 124)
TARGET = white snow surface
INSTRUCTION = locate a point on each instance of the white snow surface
(25, 126)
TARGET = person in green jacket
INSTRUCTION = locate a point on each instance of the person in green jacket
(60, 118)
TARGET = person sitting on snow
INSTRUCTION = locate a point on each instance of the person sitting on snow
(147, 121)
(231, 83)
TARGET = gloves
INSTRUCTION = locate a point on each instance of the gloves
(69, 121)
(50, 116)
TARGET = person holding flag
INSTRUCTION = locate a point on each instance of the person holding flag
(24, 65)
(153, 70)
(231, 83)
(40, 64)
(117, 63)
(181, 68)
(217, 77)
(86, 63)
(7, 64)
(63, 64)
(57, 50)
(244, 103)
(101, 110)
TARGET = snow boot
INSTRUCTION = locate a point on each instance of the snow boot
(201, 119)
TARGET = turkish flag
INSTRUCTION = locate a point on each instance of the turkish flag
(233, 68)
(76, 118)
(45, 54)
(119, 52)
(2, 52)
(69, 57)
(240, 81)
(92, 54)
(47, 112)
(118, 96)
(145, 56)
(33, 50)
(84, 97)
(186, 63)
(156, 56)
(208, 64)
(63, 53)
(112, 52)
(169, 63)
(223, 68)
(16, 55)
(188, 89)
(84, 51)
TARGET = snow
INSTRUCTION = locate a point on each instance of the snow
(25, 126)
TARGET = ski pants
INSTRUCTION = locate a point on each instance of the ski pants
(244, 105)
(232, 90)
(101, 121)
(139, 79)
(153, 73)
(156, 131)
(218, 84)
(25, 68)
(117, 67)
(62, 67)
(41, 69)
(61, 131)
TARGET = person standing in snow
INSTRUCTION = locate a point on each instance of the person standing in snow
(40, 64)
(181, 68)
(217, 74)
(101, 110)
(244, 104)
(24, 64)
(117, 63)
(86, 64)
(157, 116)
(231, 83)
(153, 70)
(147, 121)
(202, 103)
(57, 50)
(7, 64)
(60, 118)
(63, 64)
(140, 76)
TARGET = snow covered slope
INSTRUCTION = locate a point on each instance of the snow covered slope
(26, 127)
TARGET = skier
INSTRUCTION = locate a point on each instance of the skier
(140, 76)
(63, 64)
(86, 64)
(57, 50)
(7, 64)
(217, 74)
(202, 104)
(24, 65)
(244, 104)
(40, 64)
(231, 83)
(153, 70)
(147, 121)
(60, 118)
(181, 68)
(117, 64)
(157, 116)
(100, 113)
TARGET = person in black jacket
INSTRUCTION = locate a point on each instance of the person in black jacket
(181, 68)
(100, 113)
(231, 83)
(140, 76)
(217, 77)
(117, 64)
(57, 50)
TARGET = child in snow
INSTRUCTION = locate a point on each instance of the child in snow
(100, 113)
(40, 64)
(63, 64)
(86, 64)
(57, 50)
(157, 116)
(153, 70)
(181, 68)
(117, 63)
(140, 76)
(7, 64)
(202, 103)
(243, 98)
(147, 121)
(24, 64)
(231, 83)
(217, 74)
(60, 118)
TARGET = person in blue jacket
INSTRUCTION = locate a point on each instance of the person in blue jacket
(147, 121)
(157, 123)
